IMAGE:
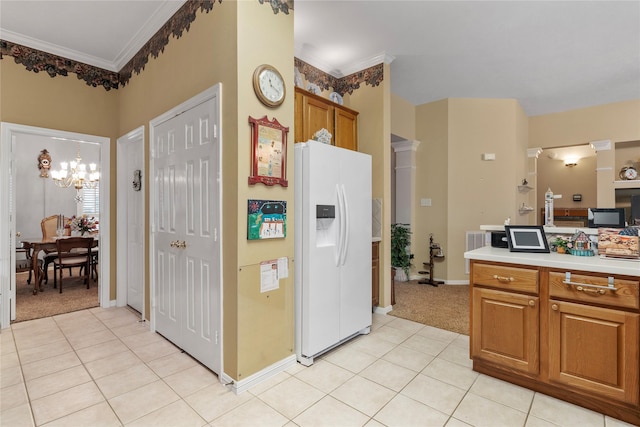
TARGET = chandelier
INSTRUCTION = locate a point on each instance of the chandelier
(74, 173)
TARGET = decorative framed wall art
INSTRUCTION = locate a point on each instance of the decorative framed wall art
(266, 219)
(268, 152)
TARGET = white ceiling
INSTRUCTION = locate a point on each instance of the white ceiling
(549, 55)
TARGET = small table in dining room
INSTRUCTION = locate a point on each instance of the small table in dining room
(38, 244)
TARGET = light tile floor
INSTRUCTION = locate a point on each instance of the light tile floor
(102, 367)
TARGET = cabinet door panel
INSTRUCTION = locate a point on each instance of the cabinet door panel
(316, 115)
(505, 329)
(346, 129)
(594, 349)
(298, 118)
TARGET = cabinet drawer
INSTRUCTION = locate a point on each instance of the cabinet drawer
(503, 277)
(626, 295)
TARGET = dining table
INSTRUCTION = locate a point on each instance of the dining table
(37, 244)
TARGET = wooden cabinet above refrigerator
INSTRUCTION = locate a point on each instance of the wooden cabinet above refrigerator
(313, 112)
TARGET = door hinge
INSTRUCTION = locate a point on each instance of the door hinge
(215, 130)
(216, 337)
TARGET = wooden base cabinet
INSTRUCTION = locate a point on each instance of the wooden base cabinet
(575, 337)
(594, 349)
(505, 329)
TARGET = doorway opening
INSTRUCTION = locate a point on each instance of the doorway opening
(17, 209)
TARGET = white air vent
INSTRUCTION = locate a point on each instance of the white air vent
(475, 240)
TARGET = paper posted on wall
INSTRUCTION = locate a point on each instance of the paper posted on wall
(271, 272)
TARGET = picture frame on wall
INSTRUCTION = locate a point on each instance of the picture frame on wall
(266, 219)
(526, 238)
(268, 152)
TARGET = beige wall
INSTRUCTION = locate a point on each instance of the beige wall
(618, 122)
(62, 103)
(156, 90)
(403, 118)
(466, 191)
(482, 192)
(220, 46)
(432, 181)
(265, 320)
(567, 181)
(374, 138)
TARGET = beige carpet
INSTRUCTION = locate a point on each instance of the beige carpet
(75, 296)
(444, 307)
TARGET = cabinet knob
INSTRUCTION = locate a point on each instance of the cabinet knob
(532, 303)
(503, 278)
(554, 307)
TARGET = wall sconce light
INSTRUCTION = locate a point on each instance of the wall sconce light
(570, 161)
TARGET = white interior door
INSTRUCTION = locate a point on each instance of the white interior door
(135, 227)
(131, 221)
(186, 247)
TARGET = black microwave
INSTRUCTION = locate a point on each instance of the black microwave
(606, 217)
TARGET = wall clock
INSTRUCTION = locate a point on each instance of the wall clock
(269, 85)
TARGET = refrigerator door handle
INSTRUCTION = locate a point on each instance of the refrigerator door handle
(345, 240)
(340, 227)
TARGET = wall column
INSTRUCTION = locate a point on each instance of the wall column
(605, 161)
(405, 171)
(529, 199)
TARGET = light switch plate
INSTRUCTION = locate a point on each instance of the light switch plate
(425, 202)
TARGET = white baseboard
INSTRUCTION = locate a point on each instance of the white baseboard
(382, 310)
(245, 384)
(457, 282)
(446, 282)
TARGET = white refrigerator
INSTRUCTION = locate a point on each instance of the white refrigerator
(332, 247)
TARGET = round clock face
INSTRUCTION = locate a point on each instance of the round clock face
(630, 173)
(269, 85)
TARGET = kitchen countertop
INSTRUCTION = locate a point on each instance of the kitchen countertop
(547, 229)
(376, 239)
(594, 264)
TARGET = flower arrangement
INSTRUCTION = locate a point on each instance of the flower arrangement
(562, 244)
(83, 224)
(323, 136)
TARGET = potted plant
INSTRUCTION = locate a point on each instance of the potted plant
(562, 245)
(400, 254)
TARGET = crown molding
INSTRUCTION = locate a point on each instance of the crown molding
(534, 152)
(380, 58)
(325, 67)
(54, 49)
(146, 32)
(407, 145)
(602, 145)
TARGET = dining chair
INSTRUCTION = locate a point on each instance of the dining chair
(49, 227)
(73, 252)
(95, 256)
(26, 264)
